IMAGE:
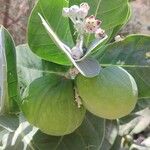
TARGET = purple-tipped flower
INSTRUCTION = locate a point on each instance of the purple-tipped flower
(91, 24)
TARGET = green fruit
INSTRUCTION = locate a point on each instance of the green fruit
(49, 104)
(112, 94)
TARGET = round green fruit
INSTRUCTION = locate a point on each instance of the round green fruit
(49, 104)
(111, 95)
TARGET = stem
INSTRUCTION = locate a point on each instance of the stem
(77, 96)
(73, 20)
(79, 41)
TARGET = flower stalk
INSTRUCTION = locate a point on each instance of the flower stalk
(83, 25)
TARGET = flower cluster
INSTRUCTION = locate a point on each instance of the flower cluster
(82, 22)
(79, 55)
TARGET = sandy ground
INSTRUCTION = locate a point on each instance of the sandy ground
(16, 16)
(140, 19)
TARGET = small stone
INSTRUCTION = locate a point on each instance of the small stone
(118, 38)
(147, 55)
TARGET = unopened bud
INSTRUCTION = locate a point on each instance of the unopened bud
(85, 6)
(76, 53)
(84, 9)
(73, 10)
(100, 33)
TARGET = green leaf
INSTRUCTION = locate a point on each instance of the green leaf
(20, 138)
(94, 134)
(137, 124)
(139, 147)
(8, 76)
(26, 58)
(142, 104)
(127, 118)
(111, 12)
(9, 122)
(143, 122)
(118, 27)
(31, 66)
(39, 40)
(133, 54)
(117, 144)
(88, 136)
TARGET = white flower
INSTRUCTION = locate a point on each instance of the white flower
(74, 10)
(91, 24)
(83, 24)
(84, 9)
(77, 15)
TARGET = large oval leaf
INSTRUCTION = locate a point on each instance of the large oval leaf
(38, 39)
(133, 53)
(8, 73)
(55, 110)
(94, 134)
(31, 66)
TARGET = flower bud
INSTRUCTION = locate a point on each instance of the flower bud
(85, 6)
(73, 10)
(100, 33)
(76, 53)
(84, 9)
